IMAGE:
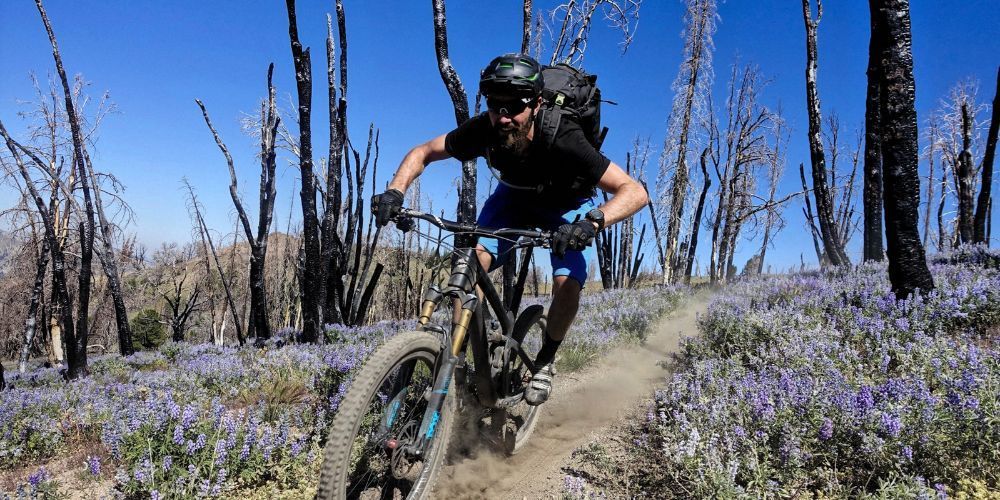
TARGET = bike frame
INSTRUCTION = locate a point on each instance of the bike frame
(467, 274)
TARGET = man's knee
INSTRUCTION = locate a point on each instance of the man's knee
(566, 288)
(484, 256)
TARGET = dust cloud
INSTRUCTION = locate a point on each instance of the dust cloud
(582, 403)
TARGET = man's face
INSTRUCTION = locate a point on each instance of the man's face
(513, 120)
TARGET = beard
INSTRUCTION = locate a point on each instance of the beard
(513, 138)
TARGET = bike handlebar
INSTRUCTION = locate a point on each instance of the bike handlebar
(533, 237)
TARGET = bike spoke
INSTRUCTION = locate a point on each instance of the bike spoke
(376, 469)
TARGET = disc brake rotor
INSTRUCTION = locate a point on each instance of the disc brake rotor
(400, 464)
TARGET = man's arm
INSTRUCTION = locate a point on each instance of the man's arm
(627, 195)
(416, 160)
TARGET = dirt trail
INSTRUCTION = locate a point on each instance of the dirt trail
(583, 403)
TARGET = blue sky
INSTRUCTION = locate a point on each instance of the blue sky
(157, 57)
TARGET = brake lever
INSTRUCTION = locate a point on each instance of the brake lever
(404, 223)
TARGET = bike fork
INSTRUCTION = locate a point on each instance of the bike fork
(432, 415)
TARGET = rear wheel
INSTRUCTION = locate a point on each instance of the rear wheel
(512, 425)
(366, 454)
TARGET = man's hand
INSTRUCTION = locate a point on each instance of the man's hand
(576, 236)
(386, 205)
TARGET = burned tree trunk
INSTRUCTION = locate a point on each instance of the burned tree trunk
(526, 27)
(110, 266)
(931, 150)
(37, 289)
(700, 21)
(467, 196)
(696, 224)
(656, 227)
(942, 242)
(259, 326)
(908, 270)
(824, 202)
(873, 162)
(181, 308)
(62, 304)
(203, 229)
(807, 211)
(982, 205)
(964, 179)
(311, 272)
(77, 342)
(332, 246)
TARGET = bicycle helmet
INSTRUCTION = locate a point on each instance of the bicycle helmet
(515, 75)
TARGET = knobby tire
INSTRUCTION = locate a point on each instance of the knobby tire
(334, 481)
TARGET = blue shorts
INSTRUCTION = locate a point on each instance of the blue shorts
(512, 208)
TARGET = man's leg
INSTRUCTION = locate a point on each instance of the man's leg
(565, 303)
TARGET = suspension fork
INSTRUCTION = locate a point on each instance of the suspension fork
(429, 422)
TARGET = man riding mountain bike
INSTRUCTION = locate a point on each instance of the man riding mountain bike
(545, 182)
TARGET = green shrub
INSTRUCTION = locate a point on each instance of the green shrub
(148, 329)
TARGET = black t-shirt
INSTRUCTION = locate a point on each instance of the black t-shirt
(566, 171)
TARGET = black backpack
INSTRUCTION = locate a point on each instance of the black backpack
(571, 93)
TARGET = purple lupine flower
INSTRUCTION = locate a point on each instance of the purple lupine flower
(168, 462)
(221, 453)
(908, 453)
(864, 400)
(826, 429)
(94, 465)
(891, 424)
(178, 435)
(942, 491)
(574, 485)
(38, 477)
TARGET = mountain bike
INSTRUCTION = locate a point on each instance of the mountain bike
(392, 429)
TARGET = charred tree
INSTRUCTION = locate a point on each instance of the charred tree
(965, 179)
(942, 242)
(181, 307)
(107, 257)
(656, 227)
(932, 135)
(744, 150)
(460, 101)
(37, 290)
(577, 19)
(259, 326)
(775, 168)
(983, 203)
(332, 246)
(696, 224)
(237, 322)
(872, 194)
(526, 27)
(908, 270)
(63, 310)
(692, 82)
(807, 211)
(311, 272)
(77, 342)
(824, 201)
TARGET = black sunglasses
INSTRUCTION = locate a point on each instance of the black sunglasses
(508, 106)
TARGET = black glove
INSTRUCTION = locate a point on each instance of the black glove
(576, 236)
(386, 205)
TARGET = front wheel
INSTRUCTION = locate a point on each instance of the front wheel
(367, 453)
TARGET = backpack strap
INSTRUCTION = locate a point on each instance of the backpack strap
(489, 164)
(551, 117)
